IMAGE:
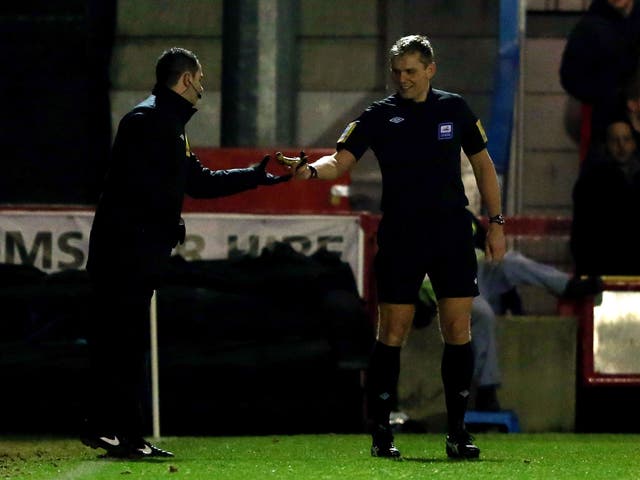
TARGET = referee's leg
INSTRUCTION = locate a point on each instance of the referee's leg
(457, 372)
(394, 324)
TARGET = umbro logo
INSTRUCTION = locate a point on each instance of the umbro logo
(396, 119)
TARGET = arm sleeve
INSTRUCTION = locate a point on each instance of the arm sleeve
(474, 138)
(357, 136)
(203, 182)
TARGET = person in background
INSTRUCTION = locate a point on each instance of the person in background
(606, 197)
(599, 59)
(417, 134)
(136, 225)
(628, 109)
(498, 284)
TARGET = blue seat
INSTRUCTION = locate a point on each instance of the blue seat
(506, 418)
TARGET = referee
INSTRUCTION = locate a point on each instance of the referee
(416, 135)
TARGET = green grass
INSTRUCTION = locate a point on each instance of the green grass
(318, 457)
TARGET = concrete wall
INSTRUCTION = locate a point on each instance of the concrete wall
(342, 62)
(145, 29)
(339, 60)
(550, 151)
(537, 356)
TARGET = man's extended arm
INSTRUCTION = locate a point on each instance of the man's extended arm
(328, 167)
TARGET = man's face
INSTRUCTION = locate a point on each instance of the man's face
(620, 142)
(412, 78)
(194, 86)
(633, 106)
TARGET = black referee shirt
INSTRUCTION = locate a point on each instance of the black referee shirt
(418, 148)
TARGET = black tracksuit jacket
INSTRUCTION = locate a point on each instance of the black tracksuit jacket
(599, 59)
(136, 221)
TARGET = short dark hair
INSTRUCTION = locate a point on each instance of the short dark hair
(173, 63)
(413, 44)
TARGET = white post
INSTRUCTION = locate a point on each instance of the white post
(155, 390)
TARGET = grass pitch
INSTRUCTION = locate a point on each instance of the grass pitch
(324, 457)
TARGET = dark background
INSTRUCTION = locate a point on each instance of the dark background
(55, 133)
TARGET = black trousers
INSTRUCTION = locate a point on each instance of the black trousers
(118, 346)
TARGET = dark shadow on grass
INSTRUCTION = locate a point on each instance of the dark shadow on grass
(448, 460)
(108, 458)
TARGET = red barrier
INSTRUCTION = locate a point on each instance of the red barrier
(310, 197)
(532, 225)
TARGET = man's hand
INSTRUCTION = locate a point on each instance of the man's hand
(266, 178)
(296, 165)
(294, 162)
(496, 244)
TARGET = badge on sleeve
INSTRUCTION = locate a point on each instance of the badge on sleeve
(445, 131)
(347, 131)
(481, 130)
(186, 144)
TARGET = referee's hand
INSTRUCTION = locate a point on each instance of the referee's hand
(496, 245)
(297, 165)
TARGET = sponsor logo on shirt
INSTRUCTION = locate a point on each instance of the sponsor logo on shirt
(445, 131)
(396, 119)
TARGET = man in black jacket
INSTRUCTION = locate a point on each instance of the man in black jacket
(600, 57)
(136, 225)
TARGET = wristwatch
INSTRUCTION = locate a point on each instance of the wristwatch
(313, 170)
(499, 219)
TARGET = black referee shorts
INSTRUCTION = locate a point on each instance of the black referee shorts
(412, 245)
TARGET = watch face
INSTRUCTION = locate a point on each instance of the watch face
(499, 219)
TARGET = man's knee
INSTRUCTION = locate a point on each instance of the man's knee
(455, 320)
(395, 323)
(456, 333)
